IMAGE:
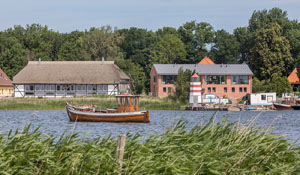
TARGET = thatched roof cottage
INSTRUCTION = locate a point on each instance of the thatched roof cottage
(70, 78)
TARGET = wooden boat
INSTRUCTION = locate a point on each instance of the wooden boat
(281, 106)
(127, 111)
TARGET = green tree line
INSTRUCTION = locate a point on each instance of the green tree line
(270, 45)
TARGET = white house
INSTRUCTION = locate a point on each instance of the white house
(262, 98)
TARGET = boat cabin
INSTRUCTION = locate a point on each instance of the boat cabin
(128, 103)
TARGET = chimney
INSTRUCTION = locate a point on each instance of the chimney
(102, 59)
(40, 60)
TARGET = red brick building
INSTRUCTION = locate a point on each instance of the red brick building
(232, 81)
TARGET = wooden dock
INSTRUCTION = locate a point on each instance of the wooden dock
(207, 108)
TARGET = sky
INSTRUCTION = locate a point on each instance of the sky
(68, 15)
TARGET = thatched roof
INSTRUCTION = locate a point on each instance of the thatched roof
(4, 79)
(70, 72)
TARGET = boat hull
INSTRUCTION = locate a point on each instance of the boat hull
(80, 116)
(282, 106)
(296, 107)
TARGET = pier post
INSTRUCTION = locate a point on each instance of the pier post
(120, 150)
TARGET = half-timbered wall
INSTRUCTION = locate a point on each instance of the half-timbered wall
(59, 90)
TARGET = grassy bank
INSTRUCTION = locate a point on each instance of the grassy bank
(210, 149)
(103, 101)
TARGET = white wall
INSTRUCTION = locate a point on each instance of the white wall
(19, 90)
(112, 90)
(256, 99)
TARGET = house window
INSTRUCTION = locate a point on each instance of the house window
(169, 90)
(39, 90)
(70, 89)
(154, 79)
(81, 89)
(209, 89)
(49, 89)
(241, 89)
(245, 89)
(165, 89)
(263, 97)
(92, 89)
(59, 88)
(214, 89)
(233, 89)
(169, 79)
(102, 89)
(239, 79)
(225, 89)
(29, 89)
(215, 79)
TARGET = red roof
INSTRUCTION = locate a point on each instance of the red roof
(195, 75)
(293, 78)
(4, 80)
(206, 60)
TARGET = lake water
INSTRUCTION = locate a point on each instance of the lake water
(56, 122)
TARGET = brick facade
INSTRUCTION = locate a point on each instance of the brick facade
(158, 89)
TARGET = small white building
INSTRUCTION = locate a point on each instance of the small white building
(262, 98)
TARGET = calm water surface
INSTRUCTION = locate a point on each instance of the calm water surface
(56, 122)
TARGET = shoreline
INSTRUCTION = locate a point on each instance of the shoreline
(105, 101)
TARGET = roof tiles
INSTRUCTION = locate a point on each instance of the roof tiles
(4, 79)
(293, 78)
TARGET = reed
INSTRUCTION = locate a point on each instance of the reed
(103, 101)
(219, 148)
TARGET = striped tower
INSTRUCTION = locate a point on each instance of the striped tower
(195, 89)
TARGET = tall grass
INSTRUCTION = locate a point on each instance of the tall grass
(210, 149)
(103, 101)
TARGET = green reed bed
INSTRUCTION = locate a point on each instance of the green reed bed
(210, 149)
(103, 101)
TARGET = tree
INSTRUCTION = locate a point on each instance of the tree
(135, 44)
(258, 86)
(279, 85)
(38, 40)
(242, 36)
(135, 72)
(196, 36)
(294, 39)
(183, 85)
(225, 48)
(168, 50)
(71, 48)
(101, 43)
(270, 55)
(263, 18)
(12, 55)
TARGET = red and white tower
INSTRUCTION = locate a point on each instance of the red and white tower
(195, 89)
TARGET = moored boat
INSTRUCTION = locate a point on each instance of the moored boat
(280, 106)
(295, 107)
(248, 108)
(127, 111)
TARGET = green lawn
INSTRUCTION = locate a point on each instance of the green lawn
(104, 101)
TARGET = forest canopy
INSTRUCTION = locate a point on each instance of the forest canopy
(270, 45)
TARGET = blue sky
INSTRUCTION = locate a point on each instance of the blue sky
(69, 15)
